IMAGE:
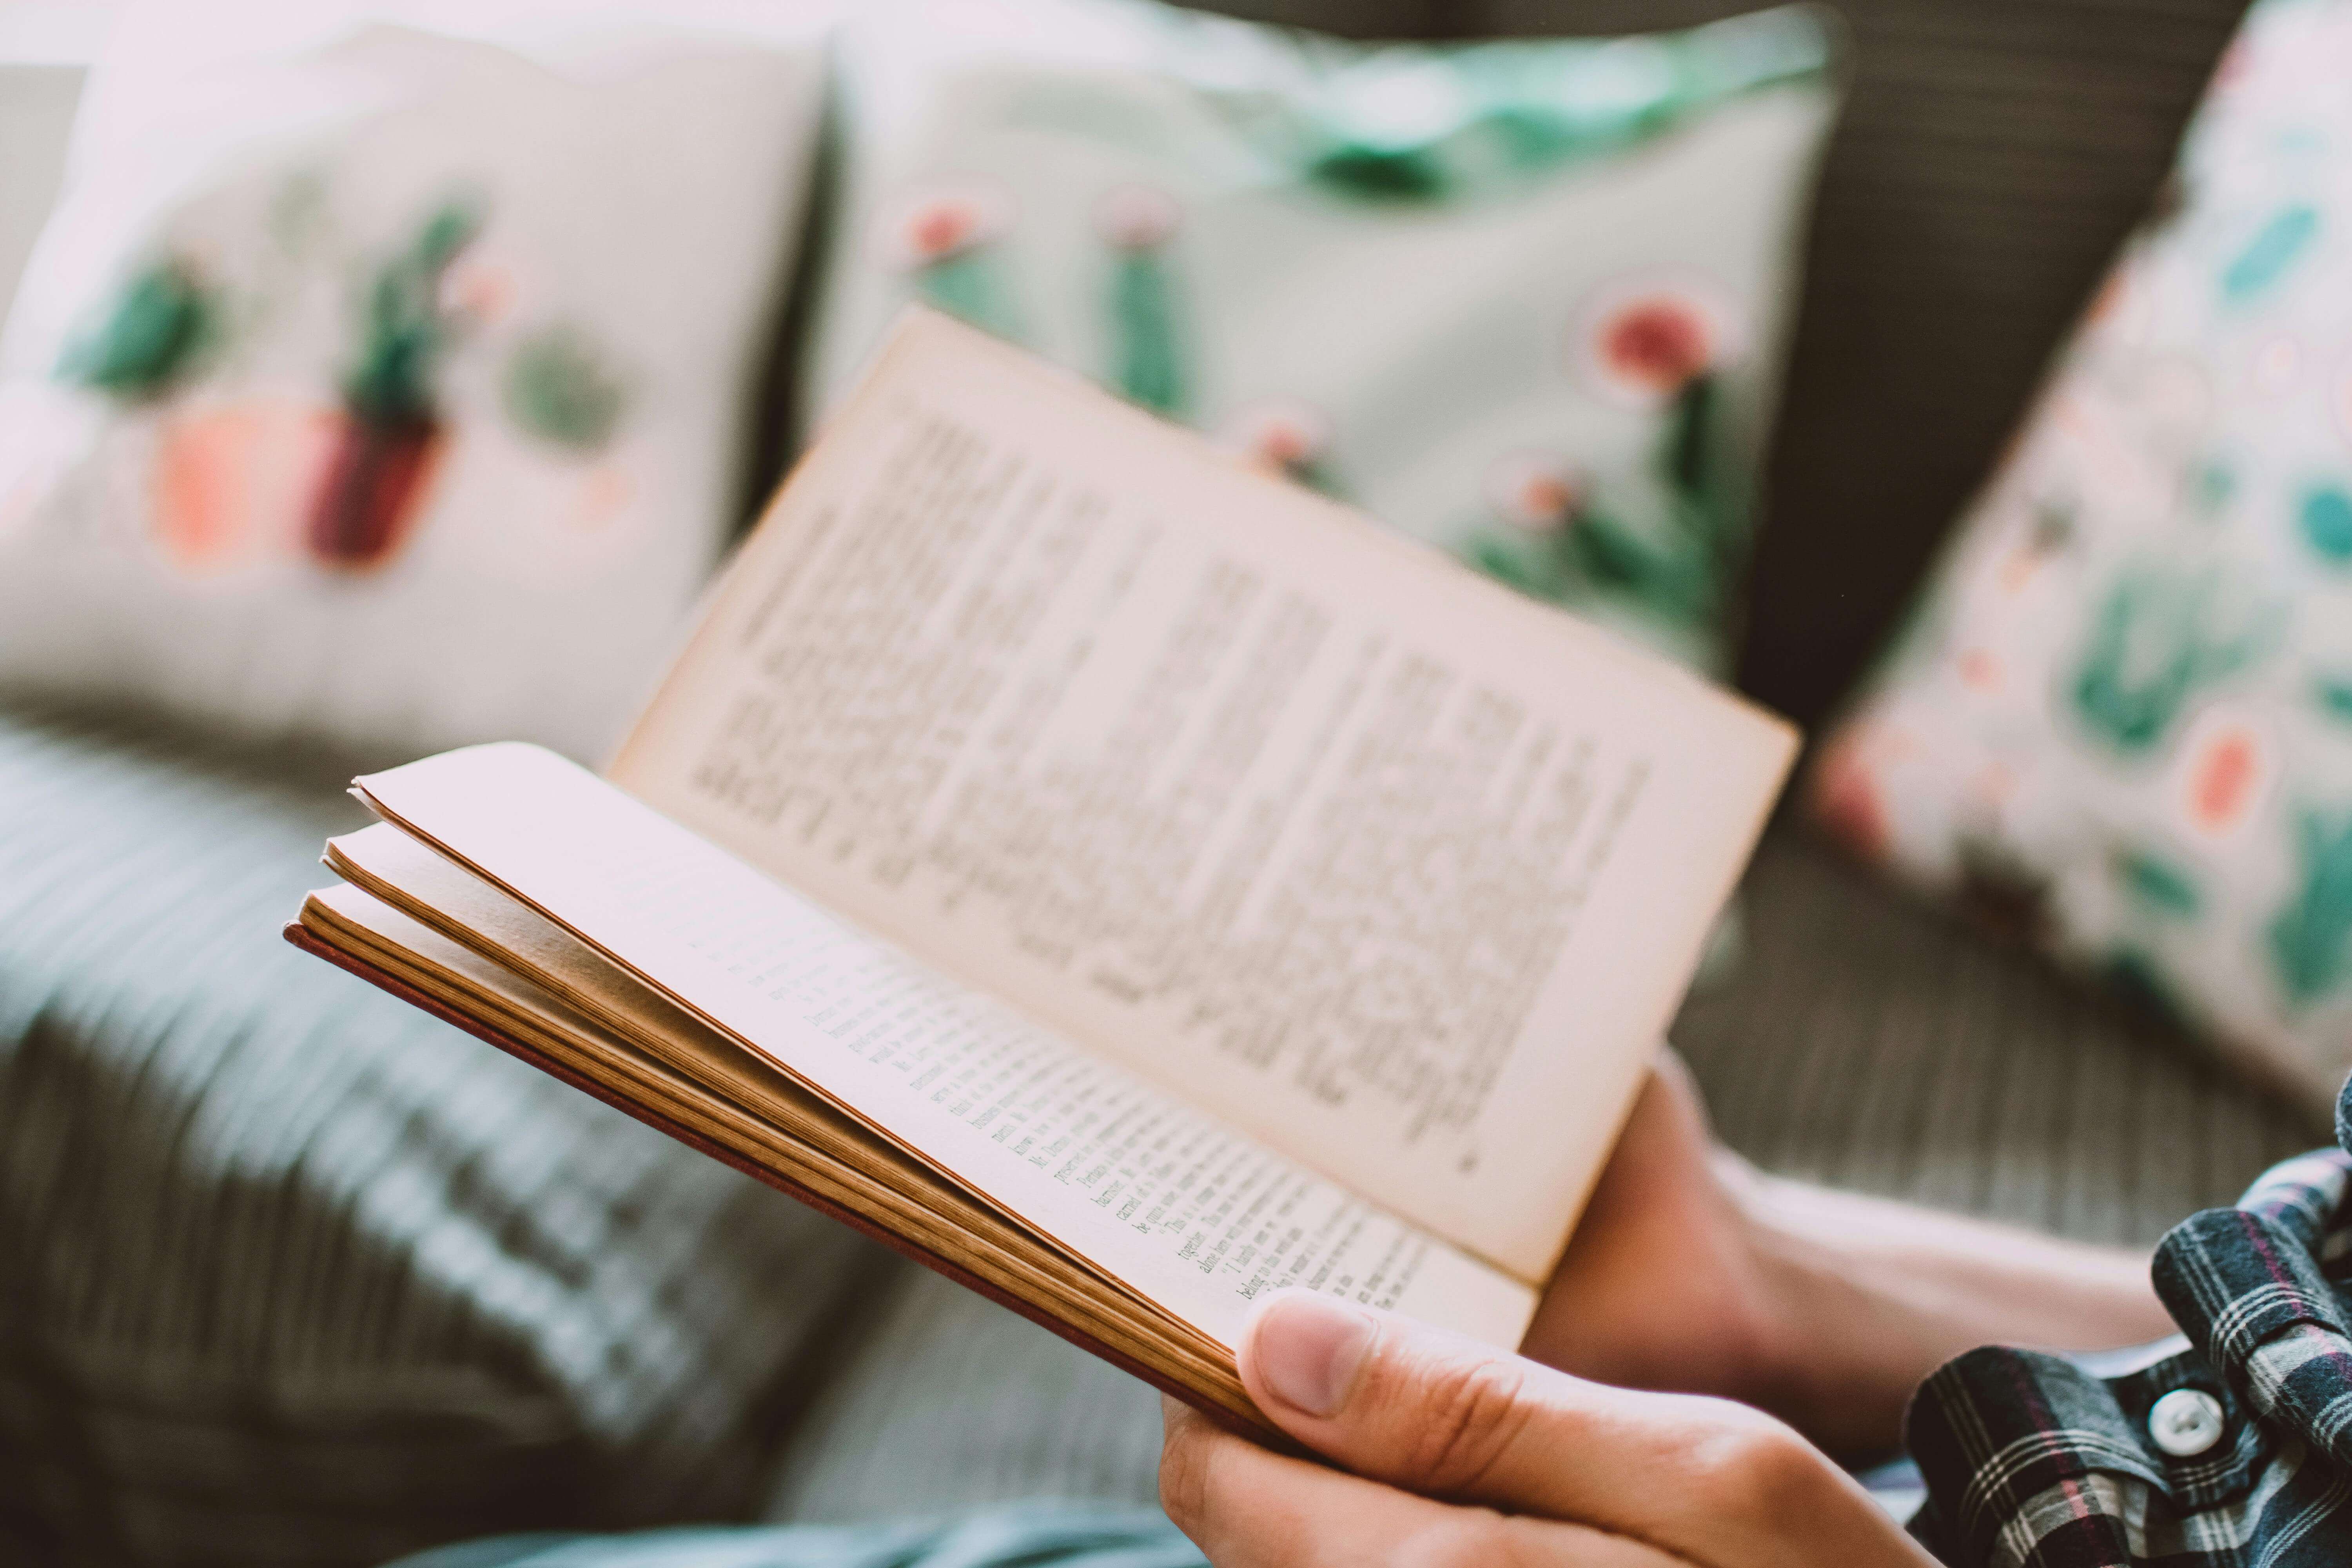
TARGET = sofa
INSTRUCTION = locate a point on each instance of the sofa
(289, 1274)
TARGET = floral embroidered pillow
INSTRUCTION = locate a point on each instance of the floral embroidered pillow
(390, 390)
(1524, 300)
(2122, 716)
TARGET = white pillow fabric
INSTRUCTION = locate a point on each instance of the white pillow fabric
(387, 386)
(1524, 300)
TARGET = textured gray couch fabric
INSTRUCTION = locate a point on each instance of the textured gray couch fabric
(292, 1274)
(1867, 1041)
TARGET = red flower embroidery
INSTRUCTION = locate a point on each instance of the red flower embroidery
(1642, 341)
(1657, 343)
(944, 221)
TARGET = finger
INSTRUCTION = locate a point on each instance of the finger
(1247, 1508)
(1434, 1413)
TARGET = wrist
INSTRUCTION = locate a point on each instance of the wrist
(1794, 1312)
(1857, 1299)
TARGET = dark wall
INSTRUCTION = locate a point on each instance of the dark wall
(1992, 156)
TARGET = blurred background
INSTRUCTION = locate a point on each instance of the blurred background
(377, 378)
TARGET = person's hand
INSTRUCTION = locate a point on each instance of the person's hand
(1691, 1271)
(1463, 1455)
(1664, 1284)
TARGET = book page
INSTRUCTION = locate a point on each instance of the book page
(1191, 1214)
(1390, 867)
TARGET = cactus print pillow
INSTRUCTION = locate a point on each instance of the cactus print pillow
(2123, 715)
(390, 390)
(1522, 299)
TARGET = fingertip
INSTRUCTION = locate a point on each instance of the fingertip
(1301, 1353)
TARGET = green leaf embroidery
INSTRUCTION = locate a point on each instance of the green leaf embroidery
(2333, 693)
(154, 337)
(2279, 243)
(2311, 938)
(1148, 366)
(2327, 519)
(403, 329)
(965, 285)
(1524, 565)
(560, 389)
(2154, 645)
(1473, 120)
(1681, 568)
(2157, 883)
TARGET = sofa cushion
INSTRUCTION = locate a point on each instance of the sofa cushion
(344, 332)
(296, 1274)
(2122, 710)
(1243, 231)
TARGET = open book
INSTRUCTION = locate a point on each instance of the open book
(1120, 879)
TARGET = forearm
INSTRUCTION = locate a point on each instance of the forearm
(1864, 1298)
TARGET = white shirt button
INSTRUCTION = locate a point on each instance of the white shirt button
(2186, 1421)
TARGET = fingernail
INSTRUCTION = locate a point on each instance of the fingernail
(1306, 1349)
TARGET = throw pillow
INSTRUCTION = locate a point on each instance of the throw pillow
(2122, 716)
(1522, 299)
(390, 387)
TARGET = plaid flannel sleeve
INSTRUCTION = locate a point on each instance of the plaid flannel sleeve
(2232, 1445)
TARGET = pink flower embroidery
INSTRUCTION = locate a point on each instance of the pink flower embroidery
(1979, 669)
(1278, 434)
(479, 289)
(1136, 218)
(1535, 491)
(943, 221)
(1846, 798)
(2224, 779)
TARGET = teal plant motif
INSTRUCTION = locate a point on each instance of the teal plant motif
(560, 389)
(2274, 248)
(2161, 637)
(1545, 501)
(1137, 223)
(2311, 937)
(152, 339)
(945, 240)
(2326, 519)
(403, 329)
(2157, 883)
(1471, 122)
(391, 429)
(1678, 561)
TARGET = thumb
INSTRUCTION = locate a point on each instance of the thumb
(1434, 1413)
